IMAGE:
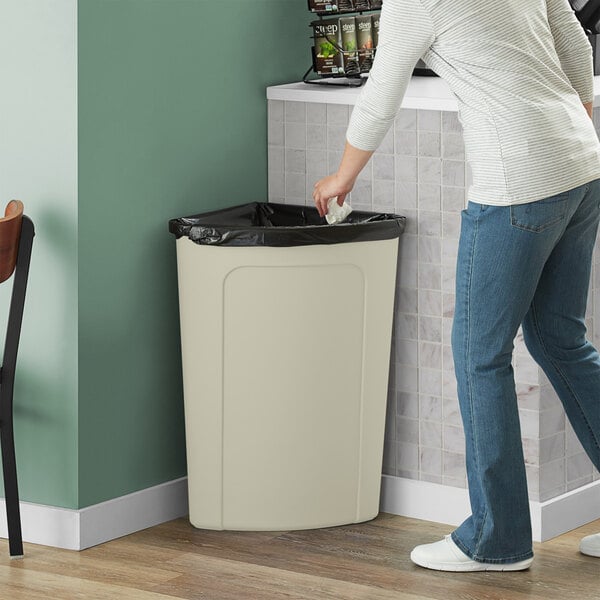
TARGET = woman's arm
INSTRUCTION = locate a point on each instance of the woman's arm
(405, 34)
(572, 47)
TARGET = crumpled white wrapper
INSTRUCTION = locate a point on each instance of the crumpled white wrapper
(335, 212)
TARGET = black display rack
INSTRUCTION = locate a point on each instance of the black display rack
(587, 11)
(354, 64)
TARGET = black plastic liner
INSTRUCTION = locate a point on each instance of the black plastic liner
(272, 224)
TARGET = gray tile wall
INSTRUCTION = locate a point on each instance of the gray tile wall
(420, 171)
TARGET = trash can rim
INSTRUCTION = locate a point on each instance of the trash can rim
(268, 224)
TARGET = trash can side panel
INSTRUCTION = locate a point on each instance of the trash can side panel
(379, 262)
(201, 317)
(293, 341)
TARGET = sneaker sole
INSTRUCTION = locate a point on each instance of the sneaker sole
(476, 566)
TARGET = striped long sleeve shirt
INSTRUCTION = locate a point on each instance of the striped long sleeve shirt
(520, 70)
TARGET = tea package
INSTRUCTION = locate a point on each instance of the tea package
(323, 5)
(375, 19)
(364, 36)
(328, 58)
(346, 5)
(349, 44)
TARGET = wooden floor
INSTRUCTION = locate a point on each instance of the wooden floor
(368, 561)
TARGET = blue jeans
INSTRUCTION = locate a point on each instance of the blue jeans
(523, 264)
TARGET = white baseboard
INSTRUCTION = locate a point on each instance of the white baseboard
(446, 504)
(80, 529)
(134, 512)
(569, 511)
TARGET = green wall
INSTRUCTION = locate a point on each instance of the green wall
(38, 164)
(172, 121)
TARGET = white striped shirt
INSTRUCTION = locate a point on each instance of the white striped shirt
(520, 70)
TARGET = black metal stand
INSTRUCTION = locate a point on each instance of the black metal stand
(355, 81)
(350, 79)
(7, 380)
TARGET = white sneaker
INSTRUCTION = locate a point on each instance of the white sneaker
(445, 555)
(590, 545)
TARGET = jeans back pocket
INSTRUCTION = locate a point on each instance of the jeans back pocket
(541, 214)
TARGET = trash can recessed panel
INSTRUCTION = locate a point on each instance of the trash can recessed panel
(280, 369)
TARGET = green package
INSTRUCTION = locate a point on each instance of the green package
(328, 58)
(364, 36)
(349, 44)
(375, 19)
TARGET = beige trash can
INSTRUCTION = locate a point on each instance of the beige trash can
(285, 330)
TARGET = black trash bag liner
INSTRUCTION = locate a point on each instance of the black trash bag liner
(272, 224)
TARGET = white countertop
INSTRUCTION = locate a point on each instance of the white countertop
(428, 93)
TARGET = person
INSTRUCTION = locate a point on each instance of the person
(522, 73)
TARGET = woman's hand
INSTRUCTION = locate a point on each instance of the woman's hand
(341, 183)
(330, 187)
